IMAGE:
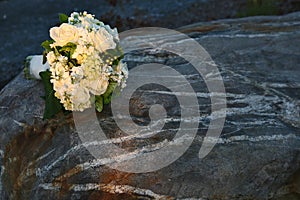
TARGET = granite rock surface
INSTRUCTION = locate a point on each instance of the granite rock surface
(24, 27)
(256, 157)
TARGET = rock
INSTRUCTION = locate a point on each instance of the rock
(256, 156)
(21, 35)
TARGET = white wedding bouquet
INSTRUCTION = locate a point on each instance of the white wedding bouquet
(85, 64)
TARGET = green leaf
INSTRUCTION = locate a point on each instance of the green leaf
(113, 56)
(116, 61)
(99, 103)
(63, 18)
(108, 94)
(73, 62)
(56, 51)
(46, 45)
(52, 104)
(68, 49)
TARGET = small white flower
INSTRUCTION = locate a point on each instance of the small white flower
(77, 74)
(59, 71)
(62, 59)
(51, 58)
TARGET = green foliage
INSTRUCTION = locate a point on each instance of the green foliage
(260, 7)
(63, 18)
(27, 67)
(46, 45)
(113, 56)
(108, 94)
(52, 104)
(116, 61)
(99, 103)
(68, 49)
(105, 98)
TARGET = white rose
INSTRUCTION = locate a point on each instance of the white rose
(36, 66)
(102, 40)
(97, 86)
(80, 98)
(63, 34)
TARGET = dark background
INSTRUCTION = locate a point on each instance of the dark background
(25, 24)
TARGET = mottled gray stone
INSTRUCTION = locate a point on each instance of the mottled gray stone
(23, 27)
(256, 157)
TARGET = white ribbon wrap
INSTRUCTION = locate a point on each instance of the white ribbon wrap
(36, 66)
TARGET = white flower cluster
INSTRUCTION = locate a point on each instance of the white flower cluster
(80, 63)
